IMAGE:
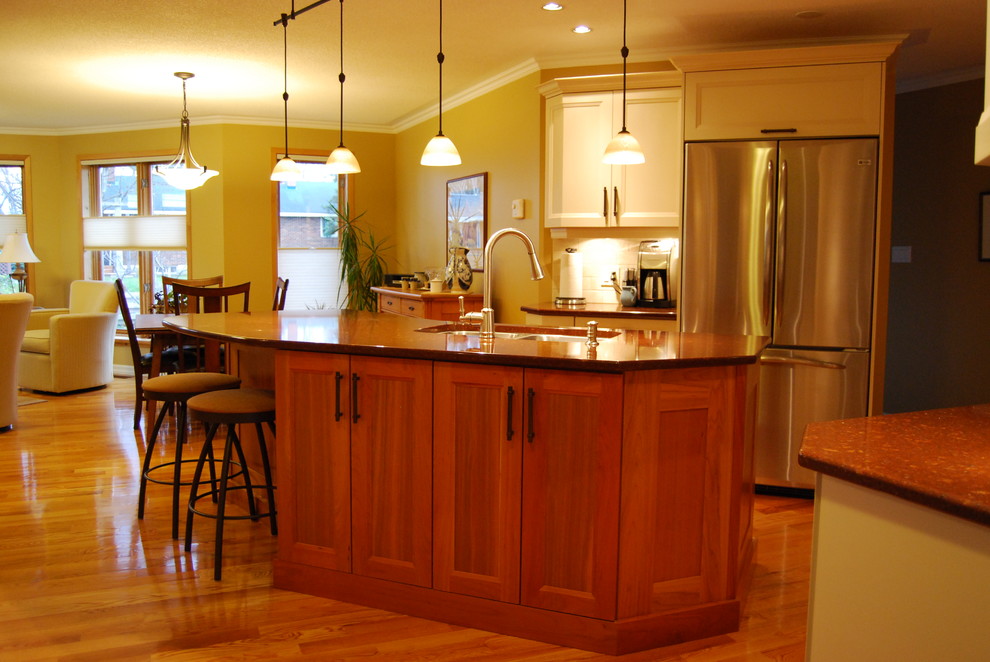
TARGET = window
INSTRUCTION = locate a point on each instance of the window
(134, 228)
(12, 218)
(308, 252)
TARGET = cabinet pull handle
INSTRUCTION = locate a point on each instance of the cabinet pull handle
(508, 416)
(615, 204)
(354, 399)
(778, 130)
(530, 432)
(388, 302)
(412, 308)
(338, 413)
(605, 202)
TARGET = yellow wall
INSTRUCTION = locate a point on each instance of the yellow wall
(498, 133)
(231, 216)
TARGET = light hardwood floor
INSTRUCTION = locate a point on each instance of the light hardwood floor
(82, 579)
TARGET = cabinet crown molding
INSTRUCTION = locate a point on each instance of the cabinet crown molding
(611, 82)
(867, 51)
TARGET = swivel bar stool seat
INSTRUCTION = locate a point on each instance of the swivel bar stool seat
(175, 390)
(231, 408)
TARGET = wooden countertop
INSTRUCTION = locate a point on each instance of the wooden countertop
(602, 310)
(377, 334)
(423, 294)
(938, 458)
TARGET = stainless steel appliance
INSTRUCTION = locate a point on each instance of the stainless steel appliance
(778, 240)
(655, 268)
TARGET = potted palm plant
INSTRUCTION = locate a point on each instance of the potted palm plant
(362, 260)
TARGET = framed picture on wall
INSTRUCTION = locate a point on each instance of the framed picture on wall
(985, 226)
(467, 216)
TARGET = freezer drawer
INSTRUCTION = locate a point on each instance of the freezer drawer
(798, 387)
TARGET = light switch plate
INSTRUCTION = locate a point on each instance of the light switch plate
(519, 208)
(900, 254)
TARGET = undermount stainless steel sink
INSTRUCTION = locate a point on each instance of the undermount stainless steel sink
(547, 334)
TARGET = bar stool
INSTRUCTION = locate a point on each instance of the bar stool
(175, 390)
(230, 408)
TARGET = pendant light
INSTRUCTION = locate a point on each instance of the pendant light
(341, 160)
(440, 151)
(624, 149)
(183, 172)
(286, 170)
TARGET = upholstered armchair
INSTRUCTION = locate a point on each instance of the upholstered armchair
(14, 312)
(68, 349)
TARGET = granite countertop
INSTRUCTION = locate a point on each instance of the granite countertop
(938, 458)
(603, 310)
(382, 334)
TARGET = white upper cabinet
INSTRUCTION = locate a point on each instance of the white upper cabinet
(820, 100)
(581, 191)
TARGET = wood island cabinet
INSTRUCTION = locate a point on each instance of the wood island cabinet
(428, 305)
(355, 479)
(527, 457)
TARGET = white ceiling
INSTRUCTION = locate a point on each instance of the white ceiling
(89, 65)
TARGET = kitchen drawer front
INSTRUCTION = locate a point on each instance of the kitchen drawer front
(783, 102)
(388, 303)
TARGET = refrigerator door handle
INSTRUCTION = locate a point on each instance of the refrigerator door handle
(781, 225)
(768, 247)
(811, 363)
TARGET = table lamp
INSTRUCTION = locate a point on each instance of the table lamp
(17, 251)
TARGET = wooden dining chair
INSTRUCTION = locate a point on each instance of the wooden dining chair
(281, 289)
(212, 300)
(172, 305)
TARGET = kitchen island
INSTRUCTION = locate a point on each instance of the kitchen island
(598, 497)
(901, 551)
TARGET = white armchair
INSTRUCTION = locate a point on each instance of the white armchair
(14, 312)
(68, 349)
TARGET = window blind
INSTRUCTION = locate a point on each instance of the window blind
(134, 233)
(313, 275)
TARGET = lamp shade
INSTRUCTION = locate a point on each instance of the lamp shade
(286, 170)
(342, 161)
(16, 249)
(440, 151)
(624, 149)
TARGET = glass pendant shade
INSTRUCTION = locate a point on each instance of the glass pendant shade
(286, 170)
(342, 161)
(624, 149)
(184, 172)
(440, 151)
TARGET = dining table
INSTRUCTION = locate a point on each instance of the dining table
(152, 325)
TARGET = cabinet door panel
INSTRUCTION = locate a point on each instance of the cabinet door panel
(477, 475)
(313, 460)
(391, 454)
(649, 194)
(571, 492)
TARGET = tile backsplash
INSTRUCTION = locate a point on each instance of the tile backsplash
(600, 257)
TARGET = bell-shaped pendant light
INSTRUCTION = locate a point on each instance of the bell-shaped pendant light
(440, 151)
(286, 170)
(624, 149)
(183, 172)
(341, 160)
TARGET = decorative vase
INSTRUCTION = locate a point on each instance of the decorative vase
(458, 274)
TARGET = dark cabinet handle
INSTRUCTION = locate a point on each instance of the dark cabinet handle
(388, 302)
(412, 308)
(615, 203)
(508, 417)
(778, 130)
(338, 413)
(605, 202)
(354, 399)
(531, 432)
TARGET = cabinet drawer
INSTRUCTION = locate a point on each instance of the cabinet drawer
(826, 100)
(388, 303)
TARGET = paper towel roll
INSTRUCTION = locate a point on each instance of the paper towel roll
(571, 274)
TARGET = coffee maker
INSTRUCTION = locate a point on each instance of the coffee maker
(655, 269)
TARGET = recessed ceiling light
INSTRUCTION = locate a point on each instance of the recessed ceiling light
(553, 6)
(811, 13)
(581, 29)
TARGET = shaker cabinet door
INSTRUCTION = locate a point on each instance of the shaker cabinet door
(313, 459)
(477, 479)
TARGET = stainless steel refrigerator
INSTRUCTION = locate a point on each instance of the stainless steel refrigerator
(778, 240)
